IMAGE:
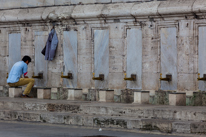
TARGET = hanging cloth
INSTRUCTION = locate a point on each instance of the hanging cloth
(49, 50)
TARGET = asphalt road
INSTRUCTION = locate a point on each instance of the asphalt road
(22, 129)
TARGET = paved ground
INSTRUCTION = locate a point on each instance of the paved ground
(22, 129)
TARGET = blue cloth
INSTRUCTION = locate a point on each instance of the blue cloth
(18, 69)
(51, 45)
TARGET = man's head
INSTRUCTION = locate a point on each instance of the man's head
(26, 59)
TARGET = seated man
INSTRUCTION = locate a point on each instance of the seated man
(19, 69)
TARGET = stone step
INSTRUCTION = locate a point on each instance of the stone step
(128, 123)
(109, 109)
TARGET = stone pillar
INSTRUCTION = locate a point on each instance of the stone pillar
(44, 93)
(187, 63)
(106, 95)
(141, 97)
(74, 94)
(177, 99)
(15, 92)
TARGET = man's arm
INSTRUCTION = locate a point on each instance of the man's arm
(25, 75)
(25, 71)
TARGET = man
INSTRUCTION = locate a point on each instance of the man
(19, 69)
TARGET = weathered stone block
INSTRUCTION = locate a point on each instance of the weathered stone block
(56, 93)
(74, 94)
(152, 99)
(106, 95)
(1, 87)
(73, 120)
(10, 115)
(181, 127)
(29, 116)
(195, 99)
(34, 106)
(198, 127)
(134, 124)
(4, 91)
(85, 90)
(63, 93)
(117, 98)
(160, 125)
(204, 98)
(93, 95)
(109, 122)
(15, 92)
(141, 97)
(127, 96)
(84, 96)
(52, 118)
(177, 99)
(63, 107)
(44, 93)
(160, 98)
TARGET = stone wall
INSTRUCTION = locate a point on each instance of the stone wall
(34, 24)
(12, 4)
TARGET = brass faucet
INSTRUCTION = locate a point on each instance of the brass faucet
(101, 77)
(203, 78)
(40, 76)
(7, 75)
(168, 77)
(132, 78)
(69, 76)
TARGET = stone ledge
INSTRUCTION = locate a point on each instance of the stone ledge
(15, 92)
(186, 113)
(106, 11)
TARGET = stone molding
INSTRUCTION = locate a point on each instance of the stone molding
(155, 9)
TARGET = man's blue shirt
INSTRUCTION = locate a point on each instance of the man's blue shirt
(18, 69)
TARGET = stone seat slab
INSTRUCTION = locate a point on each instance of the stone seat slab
(177, 99)
(141, 97)
(15, 92)
(106, 95)
(43, 93)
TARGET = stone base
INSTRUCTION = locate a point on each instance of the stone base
(55, 93)
(177, 99)
(93, 95)
(141, 97)
(4, 91)
(15, 92)
(160, 98)
(106, 95)
(84, 97)
(127, 96)
(74, 94)
(117, 98)
(196, 99)
(44, 93)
